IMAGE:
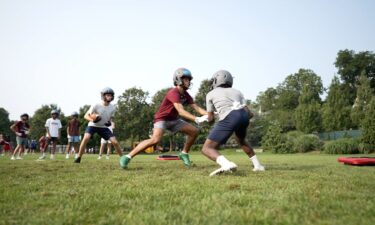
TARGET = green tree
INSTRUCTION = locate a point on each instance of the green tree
(364, 95)
(134, 116)
(336, 110)
(280, 103)
(350, 65)
(307, 115)
(200, 97)
(4, 122)
(369, 124)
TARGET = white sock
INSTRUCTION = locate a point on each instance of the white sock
(255, 161)
(128, 156)
(44, 154)
(184, 152)
(222, 161)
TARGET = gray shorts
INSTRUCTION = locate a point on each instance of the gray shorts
(173, 125)
(21, 141)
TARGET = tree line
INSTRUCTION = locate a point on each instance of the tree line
(295, 104)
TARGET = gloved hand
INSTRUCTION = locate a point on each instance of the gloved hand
(201, 119)
(19, 134)
(97, 119)
(108, 124)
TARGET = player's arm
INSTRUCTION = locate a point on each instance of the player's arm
(251, 114)
(211, 117)
(198, 109)
(182, 112)
(13, 128)
(48, 134)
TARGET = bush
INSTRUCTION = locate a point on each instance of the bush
(342, 146)
(307, 143)
(365, 148)
(274, 140)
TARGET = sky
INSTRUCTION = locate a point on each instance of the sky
(66, 52)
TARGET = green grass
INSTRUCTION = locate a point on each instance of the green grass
(295, 189)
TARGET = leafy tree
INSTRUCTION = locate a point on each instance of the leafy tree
(369, 124)
(364, 95)
(200, 97)
(350, 66)
(336, 110)
(293, 85)
(134, 116)
(279, 104)
(4, 122)
(308, 118)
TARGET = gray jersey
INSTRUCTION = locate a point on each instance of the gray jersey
(224, 100)
(105, 112)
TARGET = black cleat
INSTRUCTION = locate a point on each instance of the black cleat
(77, 160)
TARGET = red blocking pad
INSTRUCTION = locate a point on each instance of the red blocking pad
(358, 161)
(168, 157)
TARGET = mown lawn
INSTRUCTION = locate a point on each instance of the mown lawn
(296, 189)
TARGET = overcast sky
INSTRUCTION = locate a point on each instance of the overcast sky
(64, 52)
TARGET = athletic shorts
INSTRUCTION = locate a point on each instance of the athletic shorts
(173, 125)
(73, 139)
(236, 122)
(21, 141)
(102, 141)
(103, 132)
(52, 139)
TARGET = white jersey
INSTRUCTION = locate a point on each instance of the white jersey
(105, 112)
(53, 126)
(224, 100)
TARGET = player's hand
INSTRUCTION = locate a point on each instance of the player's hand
(201, 119)
(19, 134)
(108, 124)
(97, 119)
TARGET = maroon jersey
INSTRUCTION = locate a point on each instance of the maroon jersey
(22, 128)
(73, 127)
(167, 111)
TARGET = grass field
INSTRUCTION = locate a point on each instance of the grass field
(296, 189)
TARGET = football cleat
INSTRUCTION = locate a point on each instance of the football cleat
(124, 161)
(185, 158)
(259, 168)
(231, 167)
(77, 160)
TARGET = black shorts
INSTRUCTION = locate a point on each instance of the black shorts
(236, 122)
(103, 132)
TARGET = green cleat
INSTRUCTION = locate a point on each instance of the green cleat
(124, 161)
(185, 159)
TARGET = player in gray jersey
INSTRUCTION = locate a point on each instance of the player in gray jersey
(234, 117)
(100, 117)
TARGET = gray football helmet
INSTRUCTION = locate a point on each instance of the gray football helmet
(54, 111)
(179, 74)
(74, 114)
(107, 90)
(220, 78)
